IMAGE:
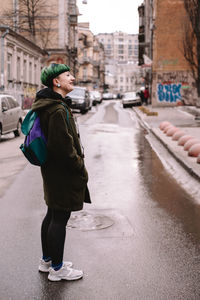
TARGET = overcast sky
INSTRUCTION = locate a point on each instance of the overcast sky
(110, 15)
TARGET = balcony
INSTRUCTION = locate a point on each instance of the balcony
(73, 20)
(86, 79)
(85, 60)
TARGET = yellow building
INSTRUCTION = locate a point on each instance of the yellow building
(90, 59)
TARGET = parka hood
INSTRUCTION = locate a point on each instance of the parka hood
(47, 97)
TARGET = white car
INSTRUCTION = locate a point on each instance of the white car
(95, 97)
(10, 115)
(130, 99)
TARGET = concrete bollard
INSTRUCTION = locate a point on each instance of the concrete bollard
(171, 131)
(167, 128)
(164, 124)
(183, 139)
(194, 150)
(191, 142)
(198, 159)
(177, 135)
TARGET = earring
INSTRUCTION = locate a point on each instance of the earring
(58, 85)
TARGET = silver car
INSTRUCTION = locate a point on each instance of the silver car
(130, 99)
(10, 115)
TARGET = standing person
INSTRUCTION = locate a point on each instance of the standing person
(64, 174)
(141, 93)
(146, 95)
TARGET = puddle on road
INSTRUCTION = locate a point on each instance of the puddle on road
(89, 221)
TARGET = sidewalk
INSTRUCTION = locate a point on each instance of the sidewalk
(182, 117)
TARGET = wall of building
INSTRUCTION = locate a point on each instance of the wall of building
(20, 73)
(172, 81)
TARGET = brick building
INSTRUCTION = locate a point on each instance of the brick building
(172, 82)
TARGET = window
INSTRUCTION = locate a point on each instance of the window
(121, 79)
(121, 40)
(108, 46)
(84, 73)
(25, 70)
(4, 104)
(30, 72)
(18, 69)
(120, 46)
(129, 46)
(35, 73)
(12, 102)
(120, 51)
(9, 66)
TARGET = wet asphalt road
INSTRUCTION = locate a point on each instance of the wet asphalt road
(138, 240)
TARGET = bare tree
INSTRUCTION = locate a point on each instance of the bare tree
(191, 40)
(31, 18)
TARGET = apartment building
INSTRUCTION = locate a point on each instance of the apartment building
(90, 59)
(121, 60)
(119, 46)
(20, 64)
(51, 25)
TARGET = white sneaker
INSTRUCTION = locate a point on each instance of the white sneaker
(65, 273)
(45, 266)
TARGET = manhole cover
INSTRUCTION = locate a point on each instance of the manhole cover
(89, 221)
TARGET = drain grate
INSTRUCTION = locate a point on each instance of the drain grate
(86, 221)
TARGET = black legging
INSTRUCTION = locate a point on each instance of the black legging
(53, 233)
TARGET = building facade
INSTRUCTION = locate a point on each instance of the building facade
(21, 63)
(121, 60)
(51, 25)
(90, 59)
(161, 39)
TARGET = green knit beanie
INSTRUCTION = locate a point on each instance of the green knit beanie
(51, 72)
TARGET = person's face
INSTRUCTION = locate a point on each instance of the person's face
(66, 81)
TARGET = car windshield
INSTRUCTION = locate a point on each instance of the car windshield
(78, 92)
(131, 94)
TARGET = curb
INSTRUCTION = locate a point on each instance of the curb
(170, 150)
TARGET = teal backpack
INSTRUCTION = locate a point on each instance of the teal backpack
(34, 147)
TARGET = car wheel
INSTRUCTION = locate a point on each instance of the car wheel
(17, 132)
(83, 111)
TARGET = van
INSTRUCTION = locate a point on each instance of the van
(10, 115)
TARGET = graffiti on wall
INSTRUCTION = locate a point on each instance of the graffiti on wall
(169, 92)
(174, 88)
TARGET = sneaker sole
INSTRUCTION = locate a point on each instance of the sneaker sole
(40, 269)
(55, 278)
(45, 270)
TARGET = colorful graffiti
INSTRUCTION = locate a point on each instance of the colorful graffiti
(169, 92)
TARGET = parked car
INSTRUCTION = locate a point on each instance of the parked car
(107, 96)
(130, 99)
(10, 115)
(95, 97)
(80, 99)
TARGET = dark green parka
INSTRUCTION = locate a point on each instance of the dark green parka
(64, 174)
